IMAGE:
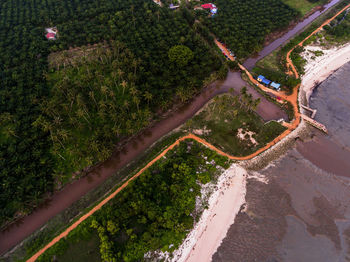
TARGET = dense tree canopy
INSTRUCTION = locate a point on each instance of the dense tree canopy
(35, 121)
(156, 211)
(244, 24)
(181, 55)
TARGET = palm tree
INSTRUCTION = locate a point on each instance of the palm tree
(124, 84)
(133, 90)
(126, 104)
(136, 100)
(148, 96)
(256, 103)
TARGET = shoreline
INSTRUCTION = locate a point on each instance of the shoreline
(223, 206)
(209, 235)
(319, 69)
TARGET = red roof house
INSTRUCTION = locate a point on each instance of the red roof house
(208, 6)
(50, 36)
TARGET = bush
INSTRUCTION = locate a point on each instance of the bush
(180, 54)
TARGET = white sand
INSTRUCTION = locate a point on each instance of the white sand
(321, 67)
(242, 136)
(224, 204)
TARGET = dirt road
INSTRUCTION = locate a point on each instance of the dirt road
(292, 98)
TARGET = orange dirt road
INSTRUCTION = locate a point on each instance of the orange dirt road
(293, 98)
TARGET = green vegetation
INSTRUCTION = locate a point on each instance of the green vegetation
(339, 29)
(35, 144)
(89, 246)
(304, 6)
(153, 212)
(229, 123)
(181, 55)
(287, 82)
(233, 65)
(243, 25)
(90, 106)
(61, 221)
(298, 61)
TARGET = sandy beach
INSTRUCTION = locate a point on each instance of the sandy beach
(321, 67)
(224, 204)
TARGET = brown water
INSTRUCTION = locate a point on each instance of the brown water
(250, 63)
(72, 192)
(303, 213)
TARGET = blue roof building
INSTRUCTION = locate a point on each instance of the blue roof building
(275, 86)
(266, 81)
(260, 78)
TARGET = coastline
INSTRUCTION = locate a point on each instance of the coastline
(223, 206)
(207, 235)
(320, 68)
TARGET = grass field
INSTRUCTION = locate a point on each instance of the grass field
(232, 128)
(270, 62)
(303, 6)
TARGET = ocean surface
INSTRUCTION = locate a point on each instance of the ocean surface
(303, 213)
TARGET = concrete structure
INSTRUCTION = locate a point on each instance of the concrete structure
(314, 123)
(313, 111)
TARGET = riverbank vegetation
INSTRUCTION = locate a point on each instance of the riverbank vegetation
(233, 24)
(37, 127)
(155, 211)
(230, 123)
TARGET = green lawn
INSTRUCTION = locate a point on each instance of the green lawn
(303, 6)
(270, 61)
(222, 120)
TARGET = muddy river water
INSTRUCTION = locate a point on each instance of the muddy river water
(74, 191)
(303, 213)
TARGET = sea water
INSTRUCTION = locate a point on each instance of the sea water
(303, 213)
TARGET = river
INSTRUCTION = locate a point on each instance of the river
(303, 213)
(71, 193)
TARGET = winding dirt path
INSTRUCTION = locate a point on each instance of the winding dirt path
(293, 99)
